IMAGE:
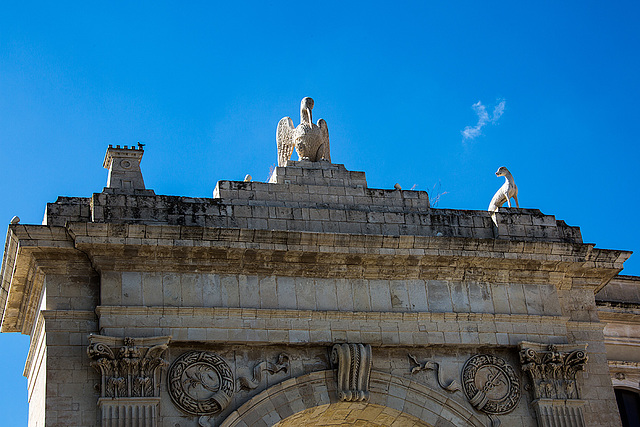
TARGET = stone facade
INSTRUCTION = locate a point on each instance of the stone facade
(310, 299)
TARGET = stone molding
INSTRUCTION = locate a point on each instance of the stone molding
(318, 389)
(227, 325)
(625, 374)
(31, 253)
(354, 363)
(233, 250)
(250, 251)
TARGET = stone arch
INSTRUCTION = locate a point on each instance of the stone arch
(312, 395)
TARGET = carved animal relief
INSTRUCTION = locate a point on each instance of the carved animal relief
(310, 141)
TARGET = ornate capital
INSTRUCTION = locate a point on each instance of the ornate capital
(354, 367)
(129, 367)
(552, 368)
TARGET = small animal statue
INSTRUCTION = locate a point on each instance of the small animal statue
(508, 190)
(310, 141)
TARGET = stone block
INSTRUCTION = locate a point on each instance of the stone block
(439, 296)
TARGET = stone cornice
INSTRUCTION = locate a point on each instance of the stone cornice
(140, 247)
(32, 251)
(615, 314)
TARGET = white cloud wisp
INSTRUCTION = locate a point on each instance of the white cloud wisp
(472, 132)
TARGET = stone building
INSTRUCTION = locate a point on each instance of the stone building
(314, 300)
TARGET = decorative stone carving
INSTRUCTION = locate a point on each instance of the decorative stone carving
(282, 364)
(453, 385)
(508, 190)
(310, 141)
(491, 384)
(130, 371)
(200, 383)
(625, 374)
(130, 378)
(354, 368)
(552, 369)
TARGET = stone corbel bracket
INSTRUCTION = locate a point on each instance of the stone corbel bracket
(354, 368)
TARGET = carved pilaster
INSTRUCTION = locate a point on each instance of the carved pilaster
(130, 371)
(559, 413)
(354, 368)
(552, 370)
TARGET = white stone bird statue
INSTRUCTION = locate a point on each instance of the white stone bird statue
(310, 141)
(508, 190)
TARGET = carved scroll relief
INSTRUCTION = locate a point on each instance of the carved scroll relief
(354, 368)
(130, 377)
(552, 370)
(282, 364)
(453, 385)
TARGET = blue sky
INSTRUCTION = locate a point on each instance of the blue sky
(203, 85)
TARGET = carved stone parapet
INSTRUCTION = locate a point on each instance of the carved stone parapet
(354, 368)
(130, 371)
(559, 412)
(552, 368)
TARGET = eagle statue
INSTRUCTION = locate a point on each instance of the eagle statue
(310, 141)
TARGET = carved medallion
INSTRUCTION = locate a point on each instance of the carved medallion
(201, 383)
(491, 384)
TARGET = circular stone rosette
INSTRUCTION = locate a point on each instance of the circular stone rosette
(200, 383)
(491, 384)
